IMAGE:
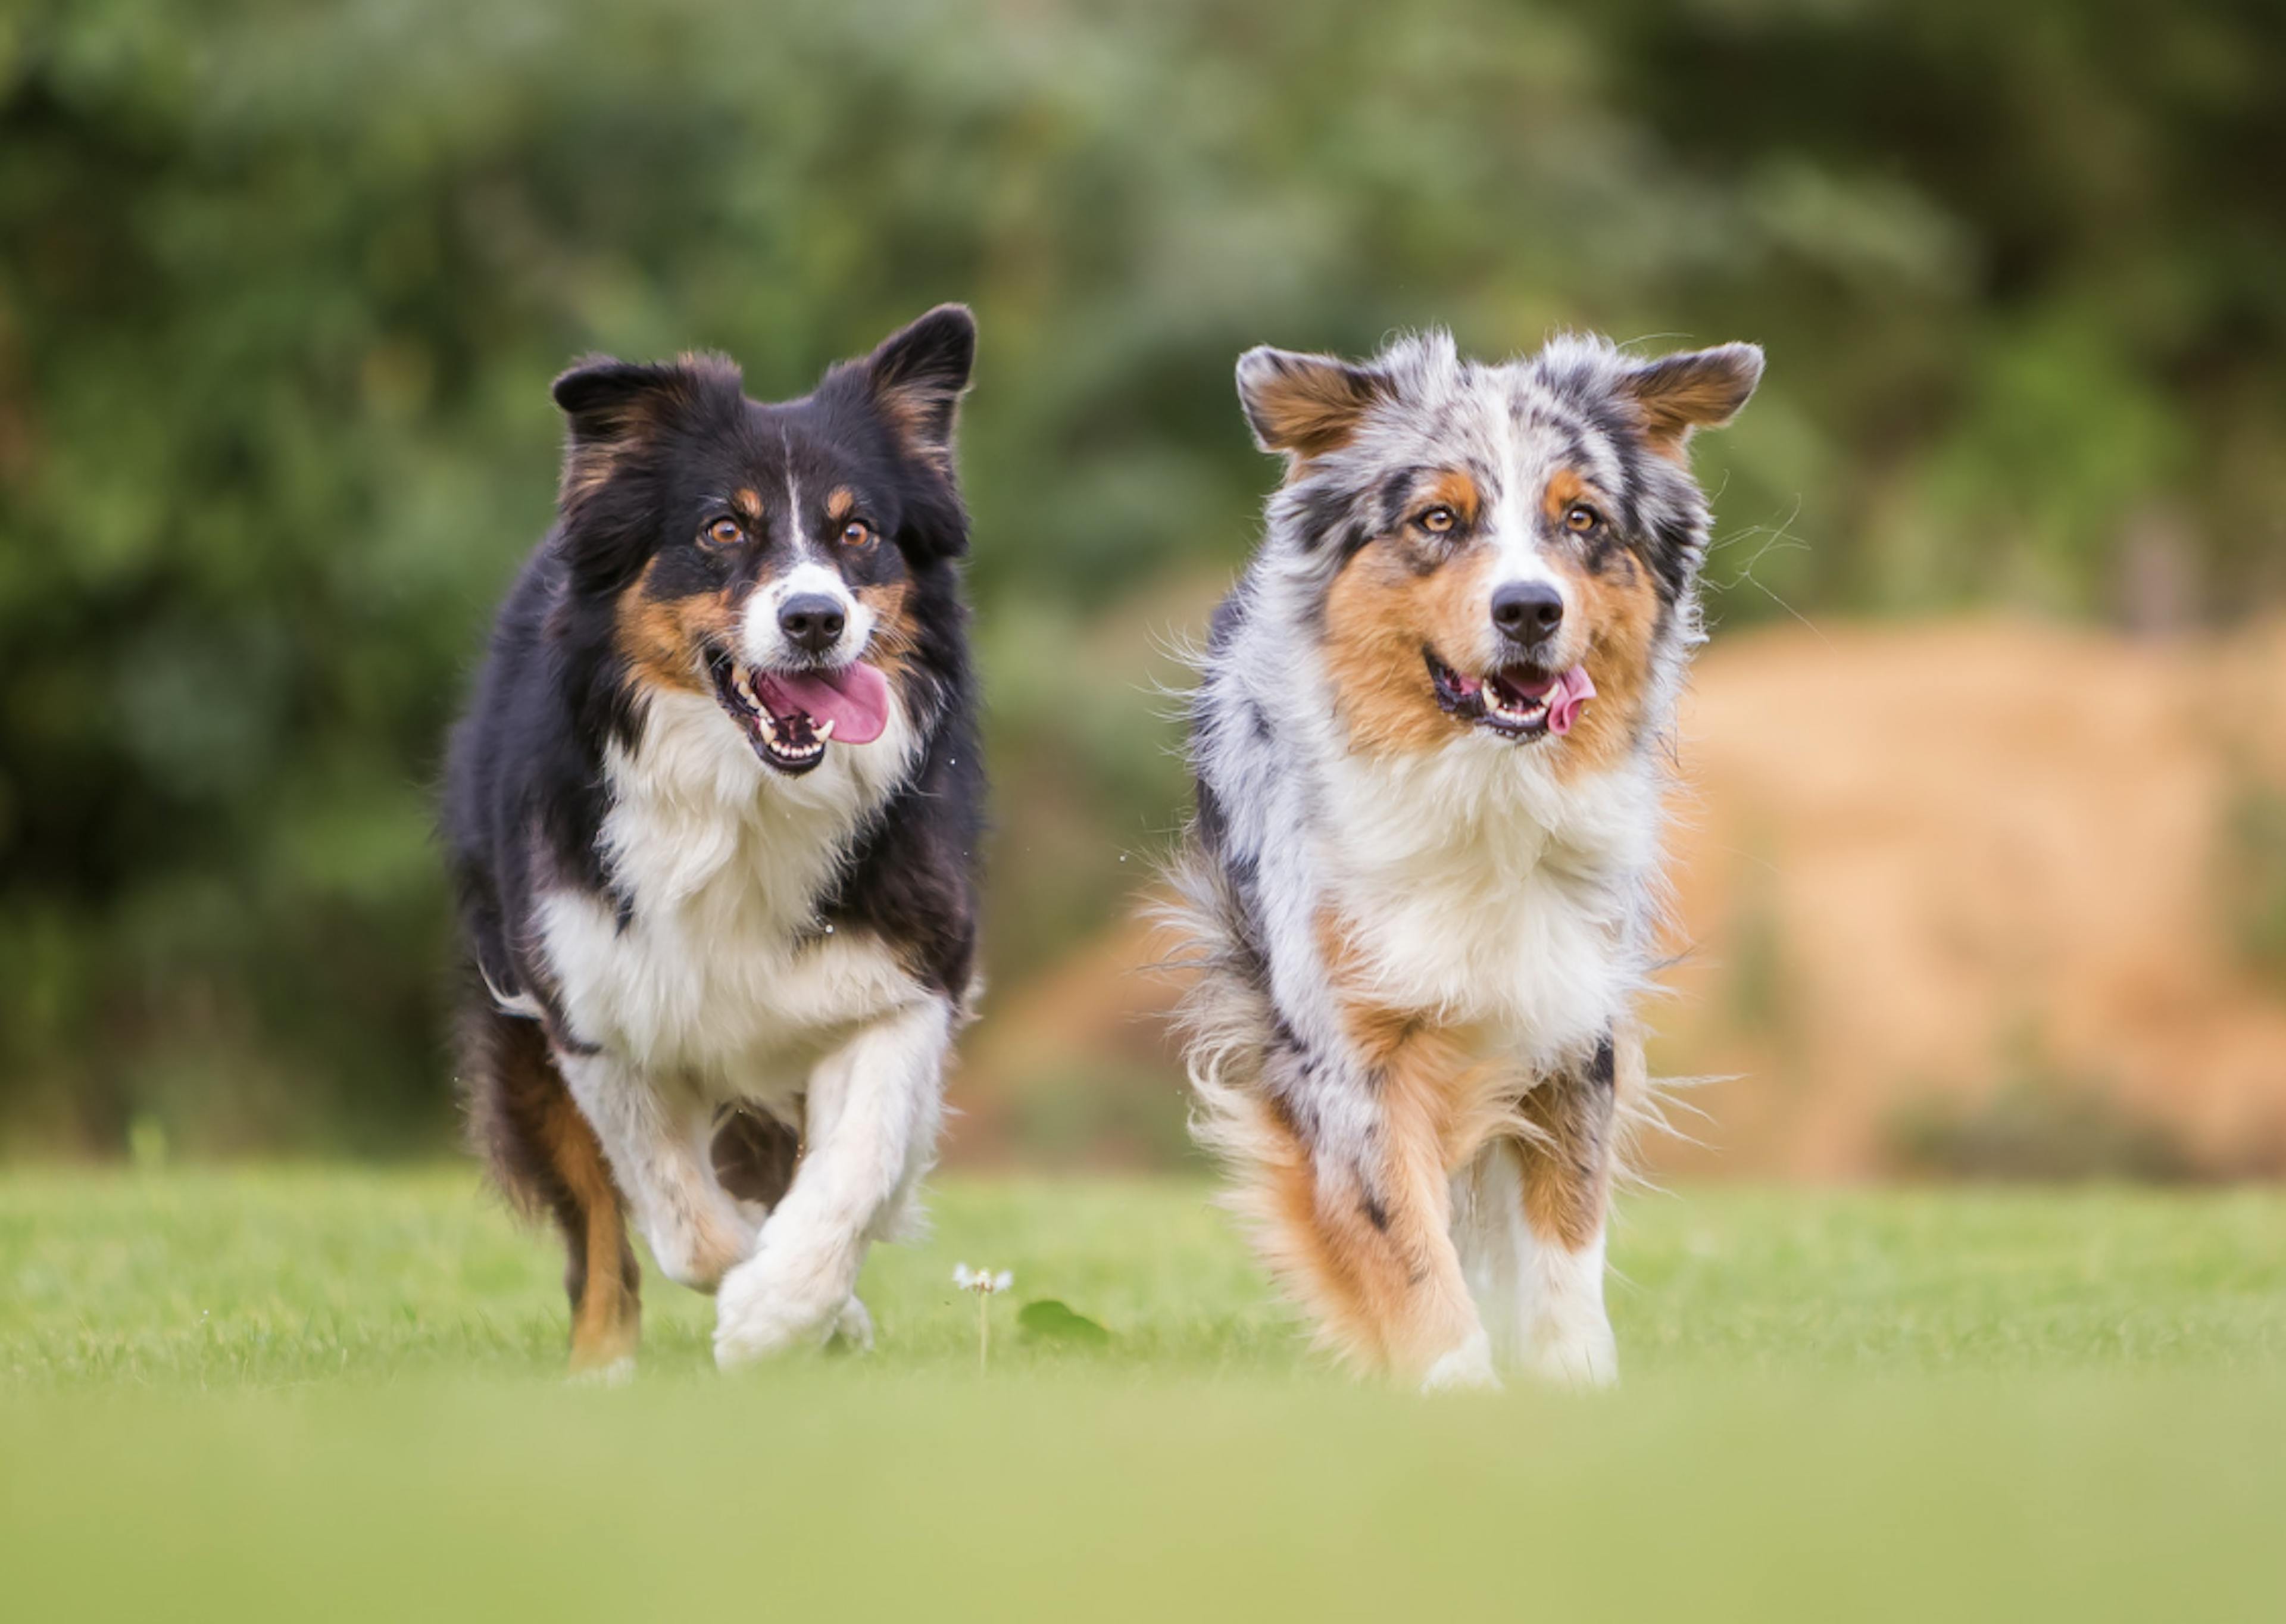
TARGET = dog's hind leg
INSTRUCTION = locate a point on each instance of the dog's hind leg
(657, 1136)
(754, 1155)
(547, 1158)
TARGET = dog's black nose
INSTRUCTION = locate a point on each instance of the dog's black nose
(812, 621)
(1527, 610)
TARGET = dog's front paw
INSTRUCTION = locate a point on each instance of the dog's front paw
(852, 1327)
(1469, 1366)
(614, 1373)
(1580, 1357)
(762, 1309)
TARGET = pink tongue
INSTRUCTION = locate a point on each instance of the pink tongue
(855, 699)
(1569, 692)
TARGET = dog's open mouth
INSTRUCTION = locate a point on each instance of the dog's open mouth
(790, 716)
(1516, 701)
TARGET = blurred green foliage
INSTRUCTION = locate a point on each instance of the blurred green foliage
(282, 283)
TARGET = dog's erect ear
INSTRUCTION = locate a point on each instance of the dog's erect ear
(918, 374)
(1699, 389)
(612, 405)
(1305, 405)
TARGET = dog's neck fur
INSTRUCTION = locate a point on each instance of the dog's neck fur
(721, 864)
(690, 804)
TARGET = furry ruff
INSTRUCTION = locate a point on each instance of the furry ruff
(1419, 889)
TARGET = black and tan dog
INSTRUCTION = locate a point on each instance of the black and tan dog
(713, 815)
(1423, 877)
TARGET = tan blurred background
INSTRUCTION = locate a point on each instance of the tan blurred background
(1981, 852)
(1973, 896)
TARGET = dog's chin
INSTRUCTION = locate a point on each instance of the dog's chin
(1513, 703)
(793, 743)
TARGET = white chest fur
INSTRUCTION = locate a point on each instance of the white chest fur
(1480, 888)
(722, 971)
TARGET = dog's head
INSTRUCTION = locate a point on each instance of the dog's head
(769, 555)
(1505, 550)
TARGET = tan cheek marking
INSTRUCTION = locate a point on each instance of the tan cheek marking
(1621, 609)
(896, 635)
(1379, 616)
(660, 640)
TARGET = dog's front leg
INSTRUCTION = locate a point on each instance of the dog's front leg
(656, 1137)
(872, 1113)
(1563, 1333)
(1354, 1206)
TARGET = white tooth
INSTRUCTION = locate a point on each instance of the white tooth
(825, 729)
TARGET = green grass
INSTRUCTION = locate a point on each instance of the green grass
(335, 1392)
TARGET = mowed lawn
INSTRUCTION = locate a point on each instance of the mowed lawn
(332, 1393)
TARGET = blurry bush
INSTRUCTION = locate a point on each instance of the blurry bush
(281, 285)
(2040, 1129)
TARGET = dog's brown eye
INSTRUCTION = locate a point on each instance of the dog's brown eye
(1437, 521)
(725, 533)
(1580, 517)
(857, 533)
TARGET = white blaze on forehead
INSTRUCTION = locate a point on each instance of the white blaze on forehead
(1514, 533)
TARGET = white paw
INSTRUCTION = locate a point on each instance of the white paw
(617, 1373)
(760, 1311)
(1467, 1366)
(1581, 1356)
(853, 1326)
